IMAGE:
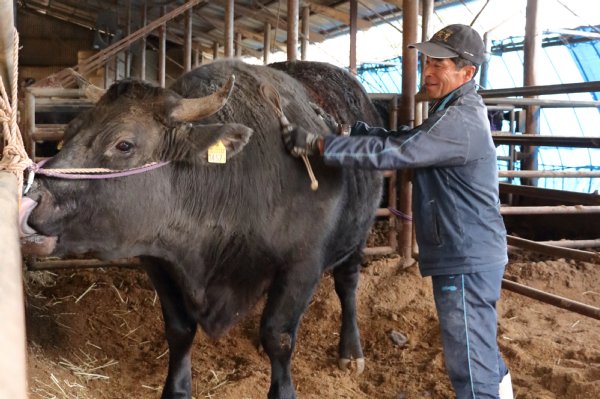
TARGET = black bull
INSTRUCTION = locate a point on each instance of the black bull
(215, 238)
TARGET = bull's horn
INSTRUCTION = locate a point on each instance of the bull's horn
(193, 109)
(91, 91)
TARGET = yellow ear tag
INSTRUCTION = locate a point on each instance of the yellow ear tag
(217, 153)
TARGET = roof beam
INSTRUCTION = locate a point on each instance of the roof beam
(258, 37)
(264, 15)
(574, 32)
(337, 15)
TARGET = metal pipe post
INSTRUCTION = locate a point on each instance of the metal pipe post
(533, 43)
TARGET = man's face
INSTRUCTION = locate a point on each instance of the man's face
(442, 77)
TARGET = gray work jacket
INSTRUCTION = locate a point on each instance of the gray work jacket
(455, 195)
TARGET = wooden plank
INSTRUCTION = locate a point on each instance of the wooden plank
(13, 381)
(13, 361)
(48, 132)
(379, 251)
(54, 264)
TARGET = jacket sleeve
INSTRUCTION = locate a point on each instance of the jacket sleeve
(362, 129)
(442, 140)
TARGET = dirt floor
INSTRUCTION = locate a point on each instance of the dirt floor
(98, 334)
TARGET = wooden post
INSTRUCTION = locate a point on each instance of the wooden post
(238, 45)
(127, 73)
(116, 66)
(142, 73)
(28, 123)
(198, 58)
(162, 50)
(305, 33)
(215, 50)
(353, 32)
(187, 41)
(407, 112)
(393, 180)
(228, 29)
(428, 7)
(292, 32)
(409, 61)
(533, 43)
(13, 375)
(13, 380)
(106, 78)
(267, 43)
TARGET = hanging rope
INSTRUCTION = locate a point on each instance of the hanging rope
(14, 158)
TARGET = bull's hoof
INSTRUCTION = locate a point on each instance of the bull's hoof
(355, 365)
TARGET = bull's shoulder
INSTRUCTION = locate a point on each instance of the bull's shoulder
(334, 89)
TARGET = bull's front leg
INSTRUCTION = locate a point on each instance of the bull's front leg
(180, 330)
(346, 277)
(286, 302)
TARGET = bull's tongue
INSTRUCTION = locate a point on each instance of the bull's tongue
(27, 205)
(31, 242)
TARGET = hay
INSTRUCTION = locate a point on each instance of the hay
(86, 367)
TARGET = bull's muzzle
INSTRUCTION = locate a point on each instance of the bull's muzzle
(33, 243)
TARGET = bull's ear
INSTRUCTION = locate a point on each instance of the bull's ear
(198, 139)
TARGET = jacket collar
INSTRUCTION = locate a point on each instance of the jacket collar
(446, 101)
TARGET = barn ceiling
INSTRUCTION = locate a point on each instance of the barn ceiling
(110, 18)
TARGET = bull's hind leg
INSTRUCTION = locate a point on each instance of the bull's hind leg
(346, 277)
(287, 300)
(180, 329)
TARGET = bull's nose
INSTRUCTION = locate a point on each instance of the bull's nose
(27, 206)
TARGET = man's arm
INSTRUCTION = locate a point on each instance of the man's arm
(299, 141)
(442, 140)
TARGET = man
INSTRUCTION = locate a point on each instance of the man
(460, 232)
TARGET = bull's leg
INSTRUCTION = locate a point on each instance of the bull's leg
(346, 277)
(286, 302)
(180, 330)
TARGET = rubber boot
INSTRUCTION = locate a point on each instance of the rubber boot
(506, 391)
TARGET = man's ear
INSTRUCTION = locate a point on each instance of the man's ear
(469, 71)
(193, 142)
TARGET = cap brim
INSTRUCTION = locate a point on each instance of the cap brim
(434, 50)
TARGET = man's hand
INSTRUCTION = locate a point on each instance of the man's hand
(300, 142)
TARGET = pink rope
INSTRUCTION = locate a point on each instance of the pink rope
(94, 174)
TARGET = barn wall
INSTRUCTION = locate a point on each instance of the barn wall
(47, 41)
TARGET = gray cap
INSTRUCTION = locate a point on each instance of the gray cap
(454, 41)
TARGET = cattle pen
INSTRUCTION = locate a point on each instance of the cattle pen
(552, 237)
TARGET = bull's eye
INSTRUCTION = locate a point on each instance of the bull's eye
(124, 146)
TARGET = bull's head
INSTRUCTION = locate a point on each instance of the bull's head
(132, 124)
